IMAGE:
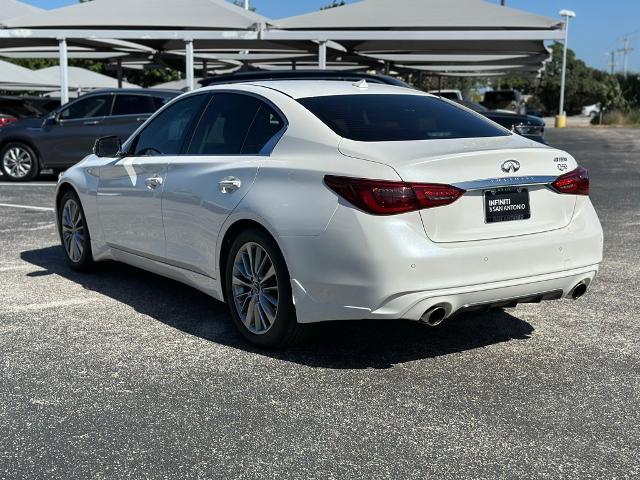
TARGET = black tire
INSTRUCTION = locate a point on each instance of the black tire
(71, 231)
(284, 330)
(18, 162)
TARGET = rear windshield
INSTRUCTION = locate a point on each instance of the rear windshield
(386, 118)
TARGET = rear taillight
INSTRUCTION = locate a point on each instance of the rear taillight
(382, 197)
(6, 121)
(576, 182)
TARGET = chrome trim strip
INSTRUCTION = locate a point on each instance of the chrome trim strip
(488, 183)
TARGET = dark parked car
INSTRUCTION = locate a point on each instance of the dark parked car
(511, 100)
(64, 136)
(14, 108)
(528, 126)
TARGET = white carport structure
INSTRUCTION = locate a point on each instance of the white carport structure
(163, 25)
(15, 77)
(82, 79)
(428, 32)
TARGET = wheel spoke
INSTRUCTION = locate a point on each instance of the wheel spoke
(267, 309)
(248, 320)
(238, 281)
(270, 273)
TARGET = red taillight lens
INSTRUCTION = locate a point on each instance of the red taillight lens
(576, 182)
(6, 121)
(383, 197)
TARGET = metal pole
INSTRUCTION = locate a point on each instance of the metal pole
(564, 65)
(189, 65)
(322, 55)
(64, 71)
(246, 4)
(119, 73)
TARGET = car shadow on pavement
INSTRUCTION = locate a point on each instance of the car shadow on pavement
(337, 345)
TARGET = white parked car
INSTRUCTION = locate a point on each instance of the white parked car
(591, 111)
(302, 201)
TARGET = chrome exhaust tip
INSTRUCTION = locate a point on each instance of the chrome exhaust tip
(579, 290)
(434, 316)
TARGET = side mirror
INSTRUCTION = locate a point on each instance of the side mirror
(108, 146)
(52, 119)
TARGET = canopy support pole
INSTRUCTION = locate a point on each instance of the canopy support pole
(189, 66)
(119, 73)
(64, 71)
(322, 55)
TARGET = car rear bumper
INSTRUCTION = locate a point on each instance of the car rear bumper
(365, 266)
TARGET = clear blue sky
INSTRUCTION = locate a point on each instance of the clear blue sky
(598, 27)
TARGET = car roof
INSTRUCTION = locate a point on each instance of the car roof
(139, 91)
(319, 88)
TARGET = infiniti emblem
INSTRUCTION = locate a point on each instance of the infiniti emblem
(510, 166)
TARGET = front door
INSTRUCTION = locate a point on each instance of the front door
(130, 188)
(71, 137)
(130, 205)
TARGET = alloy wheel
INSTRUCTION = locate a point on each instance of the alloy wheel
(255, 288)
(73, 230)
(17, 162)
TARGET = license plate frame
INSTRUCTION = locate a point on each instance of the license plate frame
(509, 204)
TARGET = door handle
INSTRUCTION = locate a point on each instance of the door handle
(91, 122)
(229, 184)
(153, 182)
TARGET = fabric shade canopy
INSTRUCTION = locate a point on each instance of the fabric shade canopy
(15, 77)
(10, 9)
(418, 14)
(83, 79)
(144, 15)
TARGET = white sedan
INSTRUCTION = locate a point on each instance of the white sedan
(302, 201)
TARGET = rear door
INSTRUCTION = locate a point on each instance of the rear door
(130, 188)
(71, 138)
(203, 187)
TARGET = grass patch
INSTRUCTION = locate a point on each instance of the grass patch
(623, 119)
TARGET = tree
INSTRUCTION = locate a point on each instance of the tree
(334, 4)
(584, 85)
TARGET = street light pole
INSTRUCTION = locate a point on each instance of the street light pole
(561, 119)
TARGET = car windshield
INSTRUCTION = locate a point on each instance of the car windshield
(385, 117)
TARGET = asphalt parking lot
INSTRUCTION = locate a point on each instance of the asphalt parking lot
(123, 374)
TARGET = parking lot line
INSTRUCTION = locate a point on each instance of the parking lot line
(28, 207)
(14, 184)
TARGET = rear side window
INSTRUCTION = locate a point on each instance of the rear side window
(133, 104)
(387, 118)
(224, 125)
(266, 125)
(165, 134)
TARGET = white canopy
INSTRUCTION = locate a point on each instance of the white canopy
(83, 79)
(145, 15)
(10, 9)
(15, 77)
(418, 14)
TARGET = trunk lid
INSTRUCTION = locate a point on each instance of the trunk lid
(475, 165)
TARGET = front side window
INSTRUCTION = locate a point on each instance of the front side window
(386, 118)
(133, 104)
(166, 133)
(224, 125)
(94, 106)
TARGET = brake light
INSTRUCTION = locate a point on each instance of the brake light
(6, 121)
(382, 197)
(576, 182)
